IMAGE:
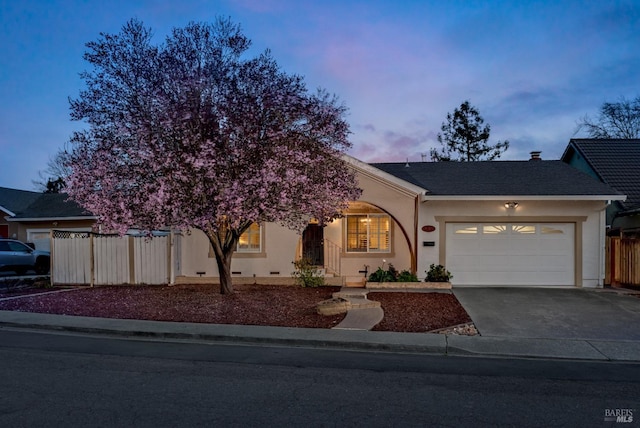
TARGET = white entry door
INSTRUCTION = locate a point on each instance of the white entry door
(511, 253)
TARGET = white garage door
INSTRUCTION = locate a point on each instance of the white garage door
(511, 253)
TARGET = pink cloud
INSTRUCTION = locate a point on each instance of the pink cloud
(371, 145)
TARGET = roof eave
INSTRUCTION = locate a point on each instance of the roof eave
(380, 175)
(576, 147)
(8, 211)
(75, 218)
(427, 197)
(570, 146)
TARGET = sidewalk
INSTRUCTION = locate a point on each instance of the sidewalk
(594, 350)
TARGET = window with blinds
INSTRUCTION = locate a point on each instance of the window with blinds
(368, 233)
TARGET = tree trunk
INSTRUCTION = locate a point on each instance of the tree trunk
(224, 243)
(224, 269)
(224, 240)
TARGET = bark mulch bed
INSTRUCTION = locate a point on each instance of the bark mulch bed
(419, 312)
(268, 305)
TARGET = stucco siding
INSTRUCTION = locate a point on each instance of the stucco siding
(587, 215)
(278, 252)
(411, 246)
(280, 246)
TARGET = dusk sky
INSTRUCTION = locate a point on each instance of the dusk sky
(533, 69)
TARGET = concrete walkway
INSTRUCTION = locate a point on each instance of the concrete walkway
(364, 313)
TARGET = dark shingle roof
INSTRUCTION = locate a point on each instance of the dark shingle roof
(26, 204)
(53, 205)
(616, 162)
(534, 178)
(15, 200)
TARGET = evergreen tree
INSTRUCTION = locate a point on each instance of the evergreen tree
(465, 136)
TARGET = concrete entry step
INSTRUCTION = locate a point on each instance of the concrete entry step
(363, 314)
(362, 303)
(346, 292)
(357, 298)
(355, 281)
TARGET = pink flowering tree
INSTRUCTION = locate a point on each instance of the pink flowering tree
(191, 134)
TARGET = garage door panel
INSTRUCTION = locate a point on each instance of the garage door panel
(524, 248)
(471, 263)
(555, 263)
(511, 254)
(520, 264)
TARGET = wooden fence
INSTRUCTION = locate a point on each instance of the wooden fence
(85, 258)
(622, 261)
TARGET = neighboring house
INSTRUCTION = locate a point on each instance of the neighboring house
(13, 201)
(504, 223)
(617, 163)
(30, 216)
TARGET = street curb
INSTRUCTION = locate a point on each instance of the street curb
(524, 348)
(356, 340)
(302, 337)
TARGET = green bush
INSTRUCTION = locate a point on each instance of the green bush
(392, 275)
(381, 275)
(407, 276)
(437, 273)
(307, 274)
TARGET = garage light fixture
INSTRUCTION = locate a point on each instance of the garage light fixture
(511, 205)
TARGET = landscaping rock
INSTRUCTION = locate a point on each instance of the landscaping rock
(333, 306)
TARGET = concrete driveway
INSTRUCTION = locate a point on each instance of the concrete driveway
(552, 313)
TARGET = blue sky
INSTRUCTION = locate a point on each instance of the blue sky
(532, 68)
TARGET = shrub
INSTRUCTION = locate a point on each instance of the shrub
(407, 276)
(381, 275)
(392, 275)
(437, 273)
(307, 274)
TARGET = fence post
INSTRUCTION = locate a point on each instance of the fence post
(52, 257)
(132, 260)
(170, 256)
(92, 262)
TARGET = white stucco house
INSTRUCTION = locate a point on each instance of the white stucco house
(499, 223)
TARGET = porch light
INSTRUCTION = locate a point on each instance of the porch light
(511, 205)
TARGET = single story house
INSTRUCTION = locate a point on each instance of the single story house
(502, 223)
(615, 162)
(31, 216)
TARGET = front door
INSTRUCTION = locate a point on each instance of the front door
(313, 244)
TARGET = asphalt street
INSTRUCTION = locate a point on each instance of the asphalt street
(53, 379)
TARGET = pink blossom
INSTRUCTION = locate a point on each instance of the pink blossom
(190, 134)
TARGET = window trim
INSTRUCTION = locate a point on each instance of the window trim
(250, 250)
(368, 250)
